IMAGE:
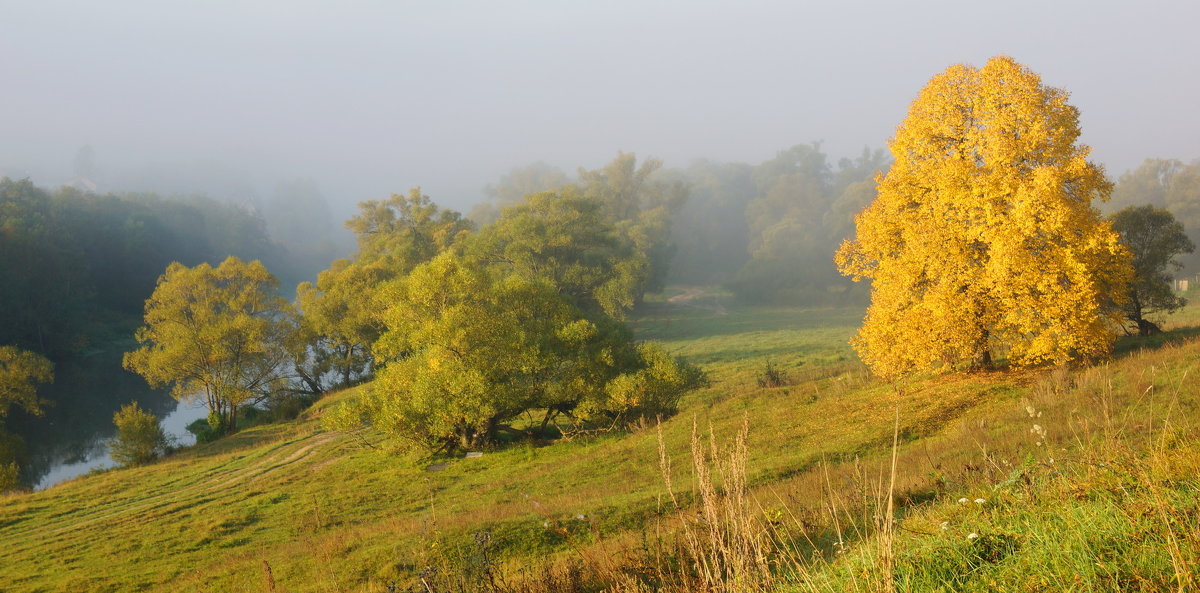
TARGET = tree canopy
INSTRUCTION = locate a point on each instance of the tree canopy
(566, 240)
(20, 374)
(405, 230)
(220, 334)
(472, 346)
(983, 238)
(339, 321)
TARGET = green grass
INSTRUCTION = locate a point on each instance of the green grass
(326, 513)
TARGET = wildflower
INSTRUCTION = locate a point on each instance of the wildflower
(945, 525)
(963, 500)
(980, 501)
(973, 535)
(1031, 411)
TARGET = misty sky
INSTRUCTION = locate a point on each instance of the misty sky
(370, 98)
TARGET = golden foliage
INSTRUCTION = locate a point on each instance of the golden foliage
(983, 237)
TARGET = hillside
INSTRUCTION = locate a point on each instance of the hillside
(1088, 480)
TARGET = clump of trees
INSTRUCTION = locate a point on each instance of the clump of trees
(521, 317)
(71, 257)
(983, 238)
(767, 231)
(464, 331)
(472, 348)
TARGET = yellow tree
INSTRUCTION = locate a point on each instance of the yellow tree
(983, 239)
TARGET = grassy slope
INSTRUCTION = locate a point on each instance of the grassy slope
(326, 514)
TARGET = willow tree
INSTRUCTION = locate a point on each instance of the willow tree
(983, 239)
(218, 334)
(468, 348)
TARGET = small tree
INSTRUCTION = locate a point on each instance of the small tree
(139, 438)
(1155, 238)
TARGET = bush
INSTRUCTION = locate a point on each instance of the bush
(9, 477)
(207, 429)
(772, 377)
(139, 438)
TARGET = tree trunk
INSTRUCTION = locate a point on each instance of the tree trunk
(982, 359)
(550, 414)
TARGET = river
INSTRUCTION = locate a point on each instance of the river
(71, 438)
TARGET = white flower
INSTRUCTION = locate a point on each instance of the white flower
(973, 536)
(945, 525)
(980, 501)
(1031, 411)
(963, 501)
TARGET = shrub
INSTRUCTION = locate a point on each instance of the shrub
(9, 476)
(139, 438)
(771, 377)
(206, 430)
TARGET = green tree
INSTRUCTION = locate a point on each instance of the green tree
(566, 240)
(1164, 183)
(514, 186)
(1155, 239)
(140, 439)
(802, 210)
(20, 373)
(405, 231)
(641, 208)
(338, 315)
(471, 348)
(220, 334)
(339, 321)
(983, 235)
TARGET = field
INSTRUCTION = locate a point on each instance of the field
(1087, 477)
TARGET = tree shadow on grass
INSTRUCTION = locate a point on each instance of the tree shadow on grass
(1129, 345)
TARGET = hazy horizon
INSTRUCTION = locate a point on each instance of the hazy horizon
(371, 98)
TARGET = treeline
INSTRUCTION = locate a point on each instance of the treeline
(767, 231)
(466, 330)
(69, 258)
(75, 271)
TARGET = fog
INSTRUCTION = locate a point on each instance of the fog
(370, 98)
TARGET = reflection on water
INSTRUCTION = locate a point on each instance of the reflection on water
(69, 439)
(94, 455)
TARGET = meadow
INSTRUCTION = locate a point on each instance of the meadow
(822, 480)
